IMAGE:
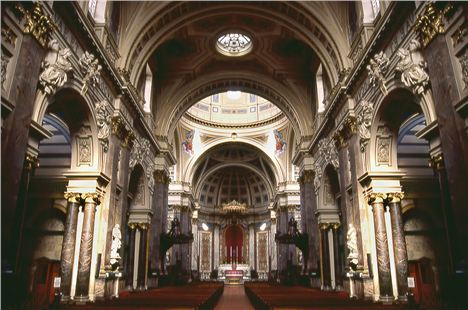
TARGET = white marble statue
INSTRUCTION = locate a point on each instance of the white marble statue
(55, 68)
(351, 243)
(413, 67)
(116, 244)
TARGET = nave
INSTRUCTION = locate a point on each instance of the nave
(249, 296)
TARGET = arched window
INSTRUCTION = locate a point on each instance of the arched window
(370, 10)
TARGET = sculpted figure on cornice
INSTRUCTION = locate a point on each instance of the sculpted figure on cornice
(55, 68)
(103, 121)
(364, 119)
(91, 69)
(317, 176)
(413, 67)
(377, 67)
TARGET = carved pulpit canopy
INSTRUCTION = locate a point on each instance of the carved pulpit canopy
(234, 207)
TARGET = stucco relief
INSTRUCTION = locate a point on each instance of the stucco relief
(351, 243)
(84, 147)
(91, 69)
(103, 120)
(463, 62)
(328, 152)
(116, 244)
(139, 151)
(5, 61)
(364, 119)
(412, 67)
(55, 68)
(376, 68)
(383, 146)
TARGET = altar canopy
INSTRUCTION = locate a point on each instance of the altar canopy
(234, 237)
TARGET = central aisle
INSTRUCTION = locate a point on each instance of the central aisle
(234, 298)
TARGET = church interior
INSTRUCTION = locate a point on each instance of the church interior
(234, 155)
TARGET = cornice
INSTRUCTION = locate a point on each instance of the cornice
(269, 121)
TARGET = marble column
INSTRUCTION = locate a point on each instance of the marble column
(282, 248)
(381, 242)
(131, 257)
(325, 257)
(68, 244)
(15, 131)
(216, 249)
(336, 251)
(399, 245)
(30, 163)
(251, 246)
(142, 257)
(86, 247)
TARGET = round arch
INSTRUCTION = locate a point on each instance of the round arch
(271, 90)
(301, 19)
(408, 101)
(195, 160)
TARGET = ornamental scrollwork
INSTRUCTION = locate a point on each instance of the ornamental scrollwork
(37, 22)
(55, 68)
(464, 66)
(364, 119)
(430, 23)
(327, 150)
(377, 68)
(139, 151)
(413, 67)
(91, 69)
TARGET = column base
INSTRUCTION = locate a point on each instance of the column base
(403, 299)
(339, 288)
(65, 299)
(81, 300)
(141, 288)
(326, 288)
(386, 300)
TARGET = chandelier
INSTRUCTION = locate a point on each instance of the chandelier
(234, 207)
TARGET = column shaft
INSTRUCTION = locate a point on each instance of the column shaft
(131, 257)
(68, 245)
(399, 247)
(337, 252)
(383, 258)
(326, 274)
(86, 248)
(142, 258)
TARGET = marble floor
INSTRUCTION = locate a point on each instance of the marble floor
(234, 298)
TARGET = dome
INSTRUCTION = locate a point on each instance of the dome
(234, 108)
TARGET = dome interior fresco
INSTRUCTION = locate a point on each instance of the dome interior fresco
(234, 107)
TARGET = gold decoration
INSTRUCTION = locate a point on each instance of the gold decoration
(160, 176)
(92, 197)
(395, 197)
(351, 125)
(324, 226)
(31, 162)
(377, 197)
(72, 197)
(437, 162)
(234, 207)
(339, 138)
(335, 226)
(37, 23)
(307, 176)
(128, 140)
(430, 22)
(131, 226)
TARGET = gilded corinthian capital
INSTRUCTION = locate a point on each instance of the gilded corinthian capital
(377, 197)
(395, 197)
